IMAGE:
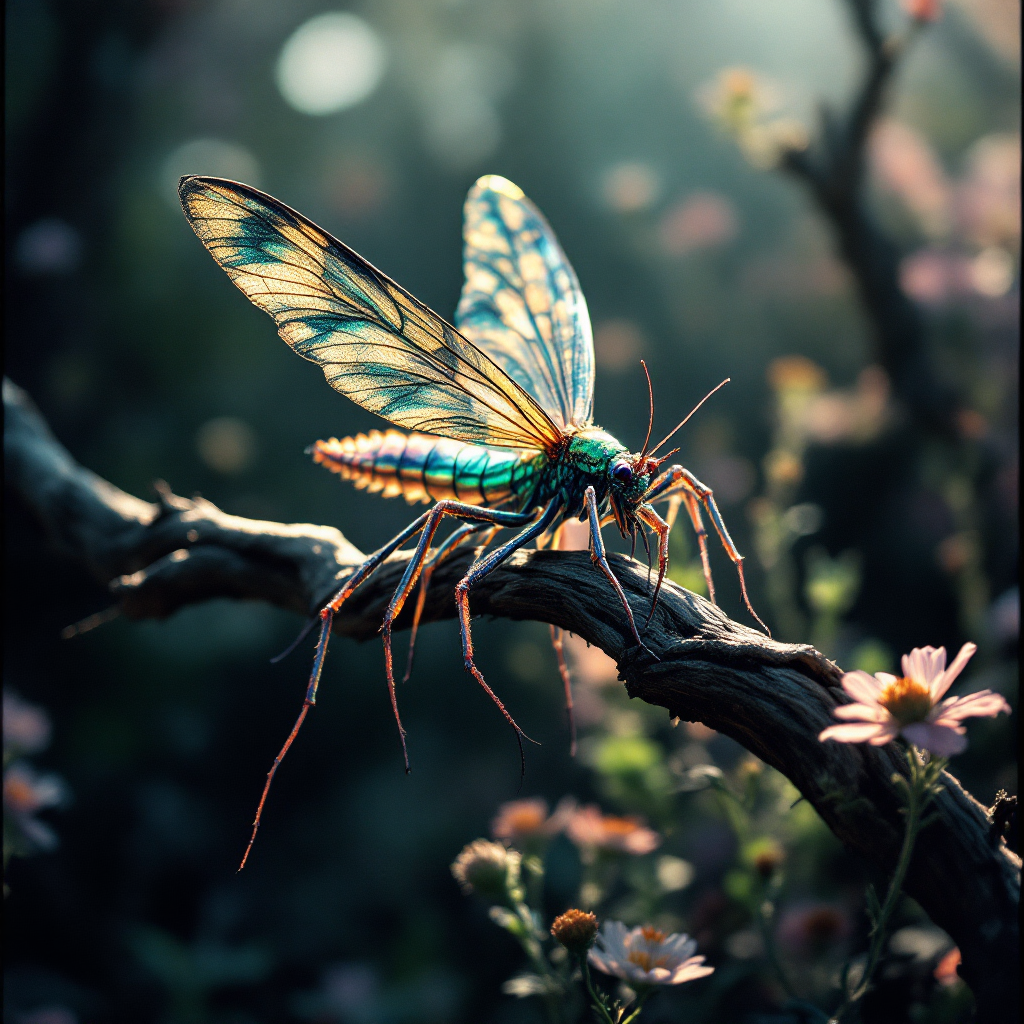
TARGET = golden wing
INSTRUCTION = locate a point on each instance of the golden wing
(376, 344)
(522, 303)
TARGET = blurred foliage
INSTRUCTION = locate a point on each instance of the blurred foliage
(148, 365)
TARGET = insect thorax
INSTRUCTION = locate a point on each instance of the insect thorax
(582, 463)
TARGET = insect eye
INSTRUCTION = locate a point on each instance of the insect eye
(623, 472)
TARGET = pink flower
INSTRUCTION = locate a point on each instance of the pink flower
(522, 822)
(588, 827)
(888, 706)
(646, 956)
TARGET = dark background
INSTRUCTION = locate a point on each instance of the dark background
(148, 365)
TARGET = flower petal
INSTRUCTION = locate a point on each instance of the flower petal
(861, 686)
(857, 732)
(924, 664)
(940, 740)
(940, 685)
(983, 704)
(690, 971)
(862, 712)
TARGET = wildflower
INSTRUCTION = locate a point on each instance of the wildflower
(909, 705)
(488, 869)
(646, 956)
(526, 822)
(576, 930)
(25, 793)
(588, 827)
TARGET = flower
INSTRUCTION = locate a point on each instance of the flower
(588, 827)
(909, 705)
(576, 930)
(646, 956)
(946, 970)
(525, 822)
(25, 793)
(488, 869)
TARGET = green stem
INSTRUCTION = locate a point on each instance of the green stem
(919, 795)
(771, 953)
(641, 998)
(596, 1001)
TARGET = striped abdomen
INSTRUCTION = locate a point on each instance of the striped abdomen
(421, 467)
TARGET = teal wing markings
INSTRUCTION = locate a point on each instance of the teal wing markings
(376, 344)
(522, 303)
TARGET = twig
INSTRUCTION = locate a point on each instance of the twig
(771, 697)
(834, 170)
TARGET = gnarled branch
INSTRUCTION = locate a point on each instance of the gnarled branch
(771, 697)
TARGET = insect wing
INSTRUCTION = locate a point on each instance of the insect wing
(522, 303)
(376, 344)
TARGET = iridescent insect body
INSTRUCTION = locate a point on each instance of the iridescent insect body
(498, 407)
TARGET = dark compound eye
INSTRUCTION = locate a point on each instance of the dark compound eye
(623, 472)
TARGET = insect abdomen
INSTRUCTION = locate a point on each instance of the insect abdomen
(424, 468)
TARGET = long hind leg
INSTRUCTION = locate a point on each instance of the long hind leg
(327, 614)
(458, 510)
(558, 643)
(477, 572)
(678, 479)
(459, 536)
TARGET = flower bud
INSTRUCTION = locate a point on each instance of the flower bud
(576, 930)
(488, 869)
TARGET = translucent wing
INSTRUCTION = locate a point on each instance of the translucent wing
(522, 304)
(375, 343)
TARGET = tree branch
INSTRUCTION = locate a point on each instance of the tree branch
(834, 171)
(771, 697)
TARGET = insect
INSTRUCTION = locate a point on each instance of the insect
(497, 409)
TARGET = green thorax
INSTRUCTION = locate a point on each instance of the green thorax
(583, 461)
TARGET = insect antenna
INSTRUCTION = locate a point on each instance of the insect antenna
(90, 622)
(650, 419)
(303, 633)
(688, 415)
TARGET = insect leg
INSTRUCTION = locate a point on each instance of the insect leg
(442, 552)
(647, 515)
(477, 572)
(598, 556)
(681, 493)
(682, 476)
(557, 642)
(458, 509)
(326, 619)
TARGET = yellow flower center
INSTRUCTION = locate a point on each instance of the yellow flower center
(619, 826)
(526, 820)
(907, 700)
(646, 961)
(651, 934)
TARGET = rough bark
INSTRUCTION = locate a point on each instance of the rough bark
(771, 697)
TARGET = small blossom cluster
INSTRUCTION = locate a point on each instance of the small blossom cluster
(526, 824)
(26, 791)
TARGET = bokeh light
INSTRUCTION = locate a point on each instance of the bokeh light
(330, 63)
(216, 158)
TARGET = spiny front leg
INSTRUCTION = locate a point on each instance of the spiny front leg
(679, 480)
(598, 556)
(327, 614)
(477, 572)
(446, 507)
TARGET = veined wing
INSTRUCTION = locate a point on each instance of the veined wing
(522, 304)
(376, 344)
